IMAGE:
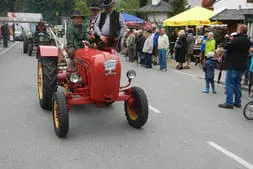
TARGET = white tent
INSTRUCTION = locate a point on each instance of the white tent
(24, 17)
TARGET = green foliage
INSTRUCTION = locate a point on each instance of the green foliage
(127, 5)
(19, 7)
(81, 5)
(6, 6)
(179, 6)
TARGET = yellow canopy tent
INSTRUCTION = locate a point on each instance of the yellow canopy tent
(192, 17)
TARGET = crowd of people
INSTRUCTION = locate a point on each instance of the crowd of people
(147, 47)
(234, 56)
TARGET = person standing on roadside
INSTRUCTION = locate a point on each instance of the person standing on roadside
(130, 46)
(139, 46)
(235, 63)
(148, 49)
(210, 44)
(5, 34)
(190, 45)
(163, 45)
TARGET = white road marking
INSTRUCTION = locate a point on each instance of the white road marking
(7, 49)
(154, 109)
(184, 73)
(231, 155)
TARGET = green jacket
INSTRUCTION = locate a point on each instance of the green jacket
(75, 36)
(210, 46)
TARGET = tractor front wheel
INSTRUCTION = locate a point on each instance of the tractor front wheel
(47, 81)
(136, 108)
(60, 114)
(30, 49)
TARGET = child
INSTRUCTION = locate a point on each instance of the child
(209, 67)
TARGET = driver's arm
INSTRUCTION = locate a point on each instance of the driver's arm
(70, 38)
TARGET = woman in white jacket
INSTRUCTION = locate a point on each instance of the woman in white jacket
(148, 49)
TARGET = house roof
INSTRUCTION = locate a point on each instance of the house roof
(161, 7)
(231, 14)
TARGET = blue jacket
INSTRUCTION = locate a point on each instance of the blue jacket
(209, 67)
(203, 45)
(156, 36)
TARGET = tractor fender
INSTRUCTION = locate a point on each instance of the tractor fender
(48, 51)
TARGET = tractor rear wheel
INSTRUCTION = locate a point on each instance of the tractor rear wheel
(60, 114)
(136, 108)
(47, 81)
(25, 46)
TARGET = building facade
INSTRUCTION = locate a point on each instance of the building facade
(232, 4)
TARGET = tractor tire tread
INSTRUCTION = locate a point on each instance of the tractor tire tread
(63, 116)
(49, 66)
(143, 111)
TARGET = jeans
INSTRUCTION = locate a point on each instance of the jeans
(233, 85)
(141, 57)
(208, 82)
(148, 60)
(162, 59)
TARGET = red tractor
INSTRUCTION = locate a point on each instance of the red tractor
(95, 80)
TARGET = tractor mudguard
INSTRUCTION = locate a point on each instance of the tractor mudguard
(48, 51)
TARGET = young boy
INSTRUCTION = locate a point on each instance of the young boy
(208, 68)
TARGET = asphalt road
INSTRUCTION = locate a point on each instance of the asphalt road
(185, 130)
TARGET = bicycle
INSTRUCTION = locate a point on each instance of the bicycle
(248, 110)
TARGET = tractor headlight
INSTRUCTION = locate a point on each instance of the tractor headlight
(75, 78)
(131, 74)
(110, 65)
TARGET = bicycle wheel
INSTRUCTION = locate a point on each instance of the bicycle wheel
(248, 111)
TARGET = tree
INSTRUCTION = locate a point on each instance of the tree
(179, 6)
(143, 3)
(6, 6)
(81, 5)
(19, 7)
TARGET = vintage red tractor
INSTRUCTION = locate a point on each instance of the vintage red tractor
(95, 80)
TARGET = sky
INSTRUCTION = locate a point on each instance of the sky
(194, 2)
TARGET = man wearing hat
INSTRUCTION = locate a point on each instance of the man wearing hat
(76, 33)
(94, 10)
(110, 24)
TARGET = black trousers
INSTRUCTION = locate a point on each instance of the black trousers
(5, 41)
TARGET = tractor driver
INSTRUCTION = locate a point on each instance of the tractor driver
(76, 33)
(110, 24)
(40, 28)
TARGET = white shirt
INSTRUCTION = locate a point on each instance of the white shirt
(163, 42)
(106, 27)
(148, 45)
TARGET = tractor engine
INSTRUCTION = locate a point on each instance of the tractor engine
(100, 72)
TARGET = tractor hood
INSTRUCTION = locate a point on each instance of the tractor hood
(91, 54)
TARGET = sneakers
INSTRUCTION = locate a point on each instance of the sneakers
(214, 92)
(225, 106)
(205, 91)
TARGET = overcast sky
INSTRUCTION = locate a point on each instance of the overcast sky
(194, 2)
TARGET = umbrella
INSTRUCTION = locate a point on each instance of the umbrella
(191, 17)
(132, 18)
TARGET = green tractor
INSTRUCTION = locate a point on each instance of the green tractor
(41, 39)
